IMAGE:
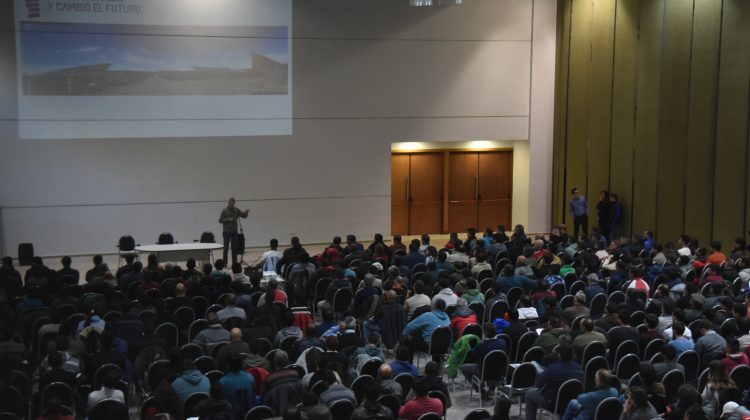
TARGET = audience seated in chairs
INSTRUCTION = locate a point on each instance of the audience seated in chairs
(548, 382)
(418, 332)
(420, 403)
(106, 392)
(584, 406)
(119, 315)
(370, 407)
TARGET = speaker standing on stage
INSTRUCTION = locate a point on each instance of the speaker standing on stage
(228, 219)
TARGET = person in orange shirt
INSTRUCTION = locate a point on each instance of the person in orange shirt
(717, 257)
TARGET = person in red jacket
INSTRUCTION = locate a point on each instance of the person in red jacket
(462, 317)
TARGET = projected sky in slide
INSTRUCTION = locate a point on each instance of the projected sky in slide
(89, 74)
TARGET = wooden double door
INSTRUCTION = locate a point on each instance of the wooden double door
(450, 191)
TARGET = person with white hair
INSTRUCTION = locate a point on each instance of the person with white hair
(579, 307)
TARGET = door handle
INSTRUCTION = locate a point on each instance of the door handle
(476, 187)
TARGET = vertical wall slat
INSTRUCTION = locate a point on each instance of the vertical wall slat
(578, 108)
(675, 92)
(647, 115)
(560, 125)
(623, 107)
(699, 163)
(600, 96)
(731, 124)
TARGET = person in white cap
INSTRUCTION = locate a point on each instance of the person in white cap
(734, 411)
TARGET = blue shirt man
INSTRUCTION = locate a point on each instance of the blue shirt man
(579, 211)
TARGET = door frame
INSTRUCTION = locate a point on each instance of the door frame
(446, 171)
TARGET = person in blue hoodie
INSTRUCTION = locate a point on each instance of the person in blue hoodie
(402, 363)
(191, 380)
(418, 332)
(584, 406)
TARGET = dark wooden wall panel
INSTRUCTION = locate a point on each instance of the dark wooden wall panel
(699, 164)
(578, 109)
(675, 84)
(623, 106)
(559, 193)
(600, 96)
(731, 130)
(645, 147)
(674, 95)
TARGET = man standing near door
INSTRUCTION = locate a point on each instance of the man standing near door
(228, 219)
(579, 210)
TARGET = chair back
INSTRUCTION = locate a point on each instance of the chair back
(593, 349)
(214, 375)
(514, 295)
(166, 238)
(589, 372)
(628, 366)
(169, 333)
(371, 367)
(392, 401)
(473, 329)
(625, 348)
(195, 327)
(498, 310)
(126, 243)
(207, 238)
(192, 400)
(525, 343)
(535, 354)
(478, 414)
(430, 416)
(342, 409)
(478, 309)
(105, 370)
(158, 371)
(260, 412)
(741, 377)
(494, 367)
(568, 391)
(441, 340)
(637, 318)
(598, 305)
(617, 297)
(205, 364)
(191, 351)
(703, 380)
(109, 410)
(652, 348)
(566, 302)
(524, 376)
(608, 409)
(58, 390)
(342, 299)
(13, 402)
(183, 317)
(672, 381)
(406, 380)
(442, 397)
(576, 287)
(359, 385)
(691, 362)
